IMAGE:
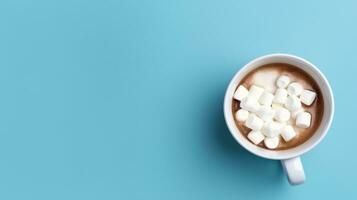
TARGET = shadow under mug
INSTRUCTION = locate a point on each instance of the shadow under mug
(290, 158)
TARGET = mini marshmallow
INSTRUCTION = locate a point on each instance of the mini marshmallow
(250, 104)
(307, 97)
(266, 113)
(271, 129)
(241, 93)
(242, 115)
(293, 103)
(280, 96)
(272, 142)
(256, 137)
(303, 120)
(282, 114)
(283, 81)
(266, 98)
(288, 133)
(295, 89)
(255, 92)
(253, 122)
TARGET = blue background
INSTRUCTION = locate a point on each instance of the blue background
(123, 99)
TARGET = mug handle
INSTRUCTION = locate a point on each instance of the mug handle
(294, 170)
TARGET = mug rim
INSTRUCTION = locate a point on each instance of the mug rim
(276, 156)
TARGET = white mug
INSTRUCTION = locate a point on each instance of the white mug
(290, 158)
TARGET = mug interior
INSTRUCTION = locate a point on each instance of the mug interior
(314, 73)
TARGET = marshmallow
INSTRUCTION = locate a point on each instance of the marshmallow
(288, 133)
(307, 97)
(242, 115)
(271, 129)
(282, 114)
(303, 120)
(266, 98)
(250, 104)
(256, 137)
(266, 113)
(240, 93)
(293, 103)
(272, 142)
(295, 89)
(253, 122)
(255, 92)
(280, 96)
(283, 81)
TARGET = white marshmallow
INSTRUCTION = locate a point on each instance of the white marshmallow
(280, 96)
(282, 114)
(255, 92)
(242, 115)
(292, 103)
(272, 142)
(265, 79)
(250, 104)
(256, 137)
(283, 81)
(266, 113)
(295, 89)
(266, 98)
(307, 97)
(303, 120)
(272, 129)
(288, 133)
(240, 93)
(296, 112)
(253, 122)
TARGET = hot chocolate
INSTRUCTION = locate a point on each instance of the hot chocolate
(291, 102)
